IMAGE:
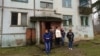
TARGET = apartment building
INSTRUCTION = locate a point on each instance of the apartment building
(24, 21)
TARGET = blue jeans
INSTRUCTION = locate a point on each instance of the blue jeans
(62, 40)
(70, 44)
(47, 47)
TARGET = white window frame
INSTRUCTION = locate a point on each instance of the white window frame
(47, 4)
(19, 20)
(84, 20)
(67, 20)
(66, 5)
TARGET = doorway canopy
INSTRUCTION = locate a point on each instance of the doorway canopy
(45, 18)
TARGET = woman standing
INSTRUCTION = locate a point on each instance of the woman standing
(58, 36)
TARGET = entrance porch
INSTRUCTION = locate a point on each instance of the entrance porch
(43, 23)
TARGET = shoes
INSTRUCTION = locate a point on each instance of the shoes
(70, 49)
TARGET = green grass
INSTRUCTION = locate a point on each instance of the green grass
(85, 48)
(19, 51)
(90, 48)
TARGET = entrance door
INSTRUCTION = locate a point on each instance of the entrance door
(43, 26)
(48, 25)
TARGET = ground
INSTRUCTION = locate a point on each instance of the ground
(81, 48)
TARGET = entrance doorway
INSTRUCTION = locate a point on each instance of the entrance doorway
(48, 25)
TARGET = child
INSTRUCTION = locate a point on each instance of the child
(47, 37)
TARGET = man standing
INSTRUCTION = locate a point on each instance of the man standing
(47, 37)
(70, 36)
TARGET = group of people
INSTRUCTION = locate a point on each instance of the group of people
(59, 36)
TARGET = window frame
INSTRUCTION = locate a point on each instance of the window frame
(84, 3)
(85, 20)
(68, 20)
(64, 6)
(19, 24)
(47, 4)
(20, 1)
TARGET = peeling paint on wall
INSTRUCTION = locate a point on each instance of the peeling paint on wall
(82, 29)
(13, 40)
(86, 36)
(19, 42)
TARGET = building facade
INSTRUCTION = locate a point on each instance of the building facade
(24, 21)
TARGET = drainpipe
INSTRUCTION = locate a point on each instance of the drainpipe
(2, 20)
(33, 23)
(34, 8)
(36, 25)
(93, 18)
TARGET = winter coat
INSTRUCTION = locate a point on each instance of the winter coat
(58, 33)
(63, 33)
(70, 36)
(47, 37)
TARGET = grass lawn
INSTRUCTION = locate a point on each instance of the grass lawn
(83, 48)
(91, 48)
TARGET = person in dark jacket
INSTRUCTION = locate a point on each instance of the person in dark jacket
(47, 37)
(63, 36)
(51, 40)
(70, 36)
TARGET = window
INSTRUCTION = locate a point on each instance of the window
(66, 3)
(19, 19)
(46, 5)
(84, 3)
(84, 21)
(67, 20)
(25, 1)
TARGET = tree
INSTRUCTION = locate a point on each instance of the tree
(96, 5)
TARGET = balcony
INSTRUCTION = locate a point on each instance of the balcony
(85, 10)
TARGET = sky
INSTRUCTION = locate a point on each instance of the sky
(95, 16)
(94, 1)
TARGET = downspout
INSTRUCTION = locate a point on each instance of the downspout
(2, 20)
(37, 30)
(33, 22)
(34, 8)
(93, 18)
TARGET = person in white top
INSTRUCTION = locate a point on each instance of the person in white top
(58, 36)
